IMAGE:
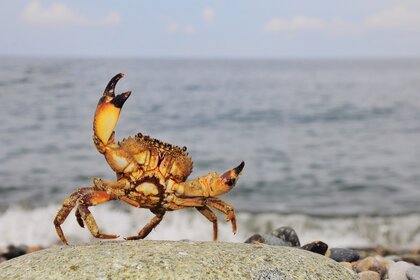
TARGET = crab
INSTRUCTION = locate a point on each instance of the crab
(150, 174)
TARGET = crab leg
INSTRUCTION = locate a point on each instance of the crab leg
(211, 217)
(148, 227)
(65, 210)
(84, 197)
(90, 222)
(225, 208)
(177, 202)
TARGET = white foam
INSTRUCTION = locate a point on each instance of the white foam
(35, 227)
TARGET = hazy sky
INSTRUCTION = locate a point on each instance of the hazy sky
(221, 28)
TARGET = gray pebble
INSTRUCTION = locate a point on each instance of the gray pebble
(398, 270)
(344, 255)
(413, 273)
(318, 247)
(266, 239)
(288, 235)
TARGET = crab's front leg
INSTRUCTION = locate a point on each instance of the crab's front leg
(83, 198)
(201, 203)
(202, 192)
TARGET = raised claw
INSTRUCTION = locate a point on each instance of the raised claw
(110, 88)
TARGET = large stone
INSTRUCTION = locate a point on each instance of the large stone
(173, 260)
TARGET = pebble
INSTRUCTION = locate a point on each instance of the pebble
(266, 239)
(318, 247)
(14, 251)
(413, 273)
(347, 265)
(288, 235)
(344, 255)
(369, 275)
(372, 264)
(414, 259)
(394, 258)
(398, 270)
(32, 249)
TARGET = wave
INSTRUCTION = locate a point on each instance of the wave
(34, 227)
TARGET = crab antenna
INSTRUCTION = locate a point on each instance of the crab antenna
(110, 88)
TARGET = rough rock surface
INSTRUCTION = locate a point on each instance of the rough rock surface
(173, 260)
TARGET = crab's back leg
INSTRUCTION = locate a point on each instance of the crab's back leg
(65, 210)
(211, 217)
(149, 226)
(91, 198)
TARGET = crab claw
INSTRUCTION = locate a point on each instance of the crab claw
(230, 177)
(108, 111)
(110, 88)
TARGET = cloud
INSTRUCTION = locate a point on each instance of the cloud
(172, 27)
(176, 28)
(189, 29)
(296, 23)
(402, 17)
(208, 14)
(58, 14)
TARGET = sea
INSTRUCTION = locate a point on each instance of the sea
(331, 147)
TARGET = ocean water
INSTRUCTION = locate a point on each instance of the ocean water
(331, 146)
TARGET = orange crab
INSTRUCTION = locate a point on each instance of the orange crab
(150, 174)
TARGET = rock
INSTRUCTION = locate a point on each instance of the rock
(369, 275)
(288, 235)
(413, 273)
(318, 247)
(414, 259)
(344, 255)
(13, 252)
(32, 249)
(398, 270)
(347, 265)
(372, 264)
(145, 259)
(2, 259)
(385, 262)
(266, 239)
(394, 258)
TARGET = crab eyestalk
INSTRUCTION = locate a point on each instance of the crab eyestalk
(108, 110)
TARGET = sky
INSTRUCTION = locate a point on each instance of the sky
(211, 29)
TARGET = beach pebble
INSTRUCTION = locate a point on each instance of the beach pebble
(288, 235)
(33, 249)
(372, 264)
(398, 270)
(413, 273)
(266, 239)
(318, 247)
(344, 255)
(414, 259)
(394, 258)
(369, 275)
(14, 251)
(347, 265)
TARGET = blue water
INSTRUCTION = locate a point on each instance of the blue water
(331, 138)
